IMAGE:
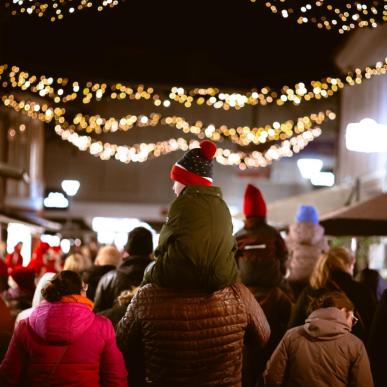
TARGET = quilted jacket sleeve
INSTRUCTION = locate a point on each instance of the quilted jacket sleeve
(258, 329)
(129, 340)
(16, 358)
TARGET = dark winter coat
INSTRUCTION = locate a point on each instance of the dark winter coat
(356, 292)
(115, 313)
(129, 274)
(261, 254)
(305, 242)
(377, 347)
(92, 276)
(277, 308)
(321, 353)
(190, 338)
(196, 248)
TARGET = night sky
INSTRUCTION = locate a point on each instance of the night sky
(196, 42)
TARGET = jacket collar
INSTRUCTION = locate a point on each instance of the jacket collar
(254, 222)
(201, 189)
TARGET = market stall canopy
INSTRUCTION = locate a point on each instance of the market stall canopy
(367, 218)
(281, 213)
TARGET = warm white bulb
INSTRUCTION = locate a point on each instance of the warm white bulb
(71, 187)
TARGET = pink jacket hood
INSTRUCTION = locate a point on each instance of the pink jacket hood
(59, 322)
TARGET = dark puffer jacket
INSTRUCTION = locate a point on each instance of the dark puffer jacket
(129, 274)
(196, 248)
(377, 346)
(262, 254)
(190, 338)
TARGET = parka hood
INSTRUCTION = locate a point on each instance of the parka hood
(61, 323)
(326, 324)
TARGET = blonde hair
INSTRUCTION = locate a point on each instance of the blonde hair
(338, 258)
(126, 296)
(108, 255)
(77, 262)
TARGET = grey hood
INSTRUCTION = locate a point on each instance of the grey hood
(326, 324)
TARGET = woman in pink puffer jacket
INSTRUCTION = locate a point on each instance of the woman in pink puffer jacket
(63, 343)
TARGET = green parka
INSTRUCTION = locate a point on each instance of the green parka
(196, 247)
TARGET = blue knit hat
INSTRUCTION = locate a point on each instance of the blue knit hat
(307, 214)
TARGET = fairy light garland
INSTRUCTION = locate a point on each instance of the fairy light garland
(146, 151)
(61, 90)
(242, 135)
(54, 9)
(41, 112)
(266, 96)
(329, 15)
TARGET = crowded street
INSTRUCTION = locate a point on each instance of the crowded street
(193, 193)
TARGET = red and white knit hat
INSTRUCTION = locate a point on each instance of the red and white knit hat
(195, 167)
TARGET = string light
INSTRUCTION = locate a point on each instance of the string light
(56, 10)
(327, 14)
(32, 109)
(145, 151)
(324, 88)
(61, 90)
(242, 135)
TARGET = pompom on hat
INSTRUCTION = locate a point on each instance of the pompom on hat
(254, 204)
(307, 214)
(195, 167)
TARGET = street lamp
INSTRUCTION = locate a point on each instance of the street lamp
(71, 187)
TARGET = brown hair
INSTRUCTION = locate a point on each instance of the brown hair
(338, 258)
(330, 299)
(65, 283)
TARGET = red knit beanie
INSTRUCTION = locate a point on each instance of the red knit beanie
(24, 277)
(254, 203)
(195, 167)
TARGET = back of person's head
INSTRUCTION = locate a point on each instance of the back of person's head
(140, 242)
(75, 262)
(63, 284)
(331, 300)
(108, 255)
(337, 259)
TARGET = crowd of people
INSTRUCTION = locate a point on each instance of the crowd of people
(203, 308)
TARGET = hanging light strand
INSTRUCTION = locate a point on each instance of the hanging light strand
(61, 90)
(329, 15)
(241, 135)
(56, 10)
(145, 151)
